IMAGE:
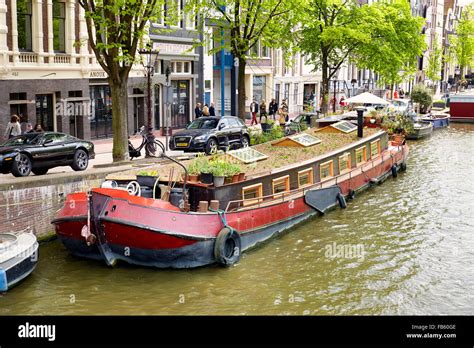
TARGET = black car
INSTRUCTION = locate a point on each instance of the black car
(39, 152)
(211, 133)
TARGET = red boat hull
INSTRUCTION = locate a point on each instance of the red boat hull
(149, 232)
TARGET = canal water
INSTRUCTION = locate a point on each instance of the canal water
(405, 247)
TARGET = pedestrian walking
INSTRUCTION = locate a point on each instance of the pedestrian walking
(263, 110)
(205, 110)
(212, 110)
(395, 94)
(254, 111)
(197, 110)
(273, 108)
(13, 127)
(28, 128)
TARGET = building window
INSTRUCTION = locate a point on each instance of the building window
(24, 13)
(265, 52)
(259, 83)
(191, 19)
(344, 163)
(305, 177)
(295, 96)
(180, 67)
(281, 185)
(326, 170)
(287, 92)
(375, 148)
(252, 194)
(173, 13)
(361, 155)
(59, 26)
(277, 93)
(254, 50)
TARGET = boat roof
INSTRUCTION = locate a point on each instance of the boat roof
(277, 157)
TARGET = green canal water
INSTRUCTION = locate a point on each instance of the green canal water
(405, 247)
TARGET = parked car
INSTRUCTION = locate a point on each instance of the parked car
(39, 152)
(211, 133)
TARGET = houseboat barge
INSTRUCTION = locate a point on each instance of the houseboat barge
(299, 178)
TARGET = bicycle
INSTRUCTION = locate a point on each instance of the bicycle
(148, 142)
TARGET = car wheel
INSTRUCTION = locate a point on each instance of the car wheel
(40, 171)
(245, 141)
(81, 160)
(211, 146)
(21, 165)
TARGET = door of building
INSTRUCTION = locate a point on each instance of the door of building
(44, 111)
(180, 107)
(101, 119)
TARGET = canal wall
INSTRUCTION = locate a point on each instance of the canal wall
(33, 204)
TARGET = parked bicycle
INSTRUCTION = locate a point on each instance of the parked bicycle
(149, 142)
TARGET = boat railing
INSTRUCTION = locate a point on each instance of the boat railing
(268, 200)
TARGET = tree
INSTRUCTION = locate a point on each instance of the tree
(434, 63)
(396, 41)
(115, 29)
(383, 37)
(245, 24)
(462, 42)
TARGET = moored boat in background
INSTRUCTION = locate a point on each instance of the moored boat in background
(421, 129)
(18, 258)
(462, 107)
(437, 120)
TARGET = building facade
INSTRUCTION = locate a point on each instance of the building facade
(49, 74)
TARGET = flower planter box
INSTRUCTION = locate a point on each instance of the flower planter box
(145, 180)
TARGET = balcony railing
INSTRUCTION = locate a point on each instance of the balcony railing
(62, 59)
(28, 58)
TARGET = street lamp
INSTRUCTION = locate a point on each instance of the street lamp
(168, 85)
(149, 63)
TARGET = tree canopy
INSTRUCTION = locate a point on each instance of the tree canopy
(462, 42)
(383, 37)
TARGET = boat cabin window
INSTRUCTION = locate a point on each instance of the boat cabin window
(252, 194)
(326, 170)
(375, 148)
(361, 155)
(305, 177)
(344, 163)
(281, 184)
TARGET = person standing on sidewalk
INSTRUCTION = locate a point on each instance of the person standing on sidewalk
(212, 110)
(263, 110)
(254, 111)
(273, 108)
(205, 110)
(13, 127)
(197, 110)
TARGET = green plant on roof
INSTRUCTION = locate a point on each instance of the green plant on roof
(147, 173)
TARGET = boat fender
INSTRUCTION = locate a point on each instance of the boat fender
(403, 166)
(341, 200)
(394, 171)
(228, 247)
(3, 281)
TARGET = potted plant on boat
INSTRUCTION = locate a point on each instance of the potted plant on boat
(232, 171)
(147, 178)
(218, 168)
(194, 170)
(205, 169)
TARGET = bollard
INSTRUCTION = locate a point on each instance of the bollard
(214, 205)
(203, 206)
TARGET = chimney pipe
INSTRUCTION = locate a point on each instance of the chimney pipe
(360, 122)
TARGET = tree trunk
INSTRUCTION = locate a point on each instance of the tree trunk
(241, 88)
(325, 87)
(119, 120)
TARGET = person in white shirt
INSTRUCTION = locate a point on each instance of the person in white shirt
(13, 127)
